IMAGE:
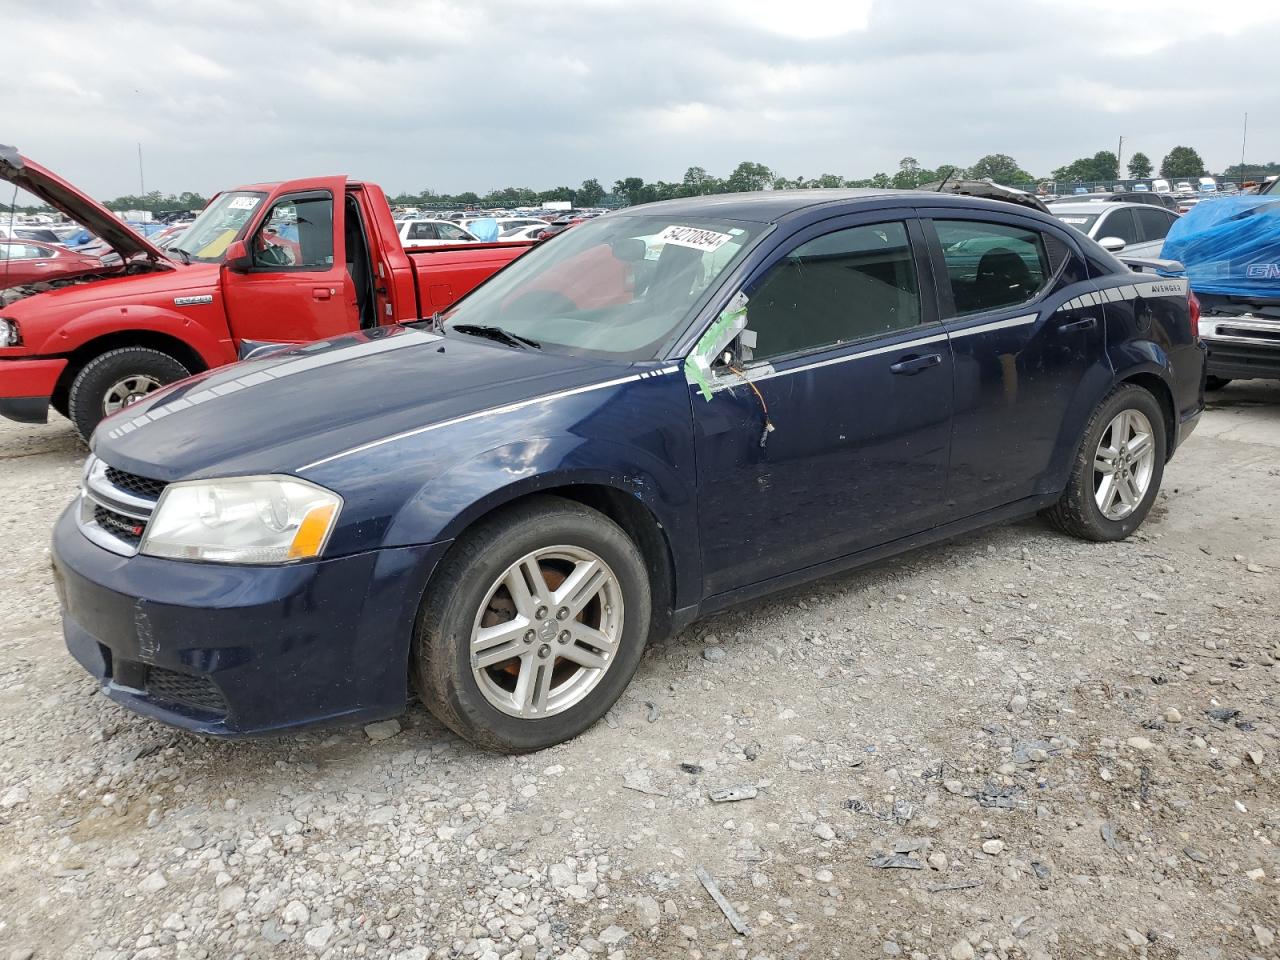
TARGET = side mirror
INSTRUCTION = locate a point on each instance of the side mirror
(1111, 244)
(237, 257)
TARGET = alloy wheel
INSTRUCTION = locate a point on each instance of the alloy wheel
(1123, 464)
(128, 390)
(547, 632)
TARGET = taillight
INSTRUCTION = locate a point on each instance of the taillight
(1193, 307)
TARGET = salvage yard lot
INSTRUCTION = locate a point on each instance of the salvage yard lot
(1073, 748)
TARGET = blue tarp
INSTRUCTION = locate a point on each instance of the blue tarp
(1229, 246)
(486, 229)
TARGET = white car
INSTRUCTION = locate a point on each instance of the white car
(1138, 229)
(532, 232)
(507, 224)
(432, 233)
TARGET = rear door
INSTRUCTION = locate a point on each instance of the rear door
(1023, 354)
(298, 288)
(856, 375)
(1153, 227)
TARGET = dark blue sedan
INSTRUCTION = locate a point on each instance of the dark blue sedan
(658, 414)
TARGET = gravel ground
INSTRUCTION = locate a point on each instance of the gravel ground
(1014, 745)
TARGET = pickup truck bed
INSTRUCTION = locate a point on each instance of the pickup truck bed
(442, 274)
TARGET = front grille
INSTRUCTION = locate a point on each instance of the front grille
(185, 690)
(116, 506)
(139, 486)
(124, 528)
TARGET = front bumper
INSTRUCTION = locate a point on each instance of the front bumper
(1242, 347)
(26, 386)
(232, 650)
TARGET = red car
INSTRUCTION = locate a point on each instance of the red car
(26, 261)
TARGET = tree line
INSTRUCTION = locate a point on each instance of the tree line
(1179, 163)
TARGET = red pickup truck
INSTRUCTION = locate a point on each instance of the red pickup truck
(263, 264)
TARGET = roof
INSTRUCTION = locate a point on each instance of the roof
(769, 206)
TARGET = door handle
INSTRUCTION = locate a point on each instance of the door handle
(1077, 326)
(321, 293)
(909, 365)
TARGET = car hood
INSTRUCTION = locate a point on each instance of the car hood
(295, 406)
(80, 207)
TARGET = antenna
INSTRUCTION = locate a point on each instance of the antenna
(1244, 139)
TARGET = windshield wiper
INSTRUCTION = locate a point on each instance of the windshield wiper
(496, 333)
(186, 257)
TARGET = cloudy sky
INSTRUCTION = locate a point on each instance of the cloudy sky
(477, 94)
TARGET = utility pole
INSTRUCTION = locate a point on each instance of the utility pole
(1119, 157)
(142, 187)
(1244, 139)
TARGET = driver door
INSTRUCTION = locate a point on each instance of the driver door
(297, 289)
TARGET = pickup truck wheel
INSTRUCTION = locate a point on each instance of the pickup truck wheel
(1216, 383)
(532, 626)
(116, 379)
(1117, 471)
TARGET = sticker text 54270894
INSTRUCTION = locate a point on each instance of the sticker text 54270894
(698, 239)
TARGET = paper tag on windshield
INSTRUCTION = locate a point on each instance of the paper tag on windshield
(1074, 219)
(698, 239)
(243, 203)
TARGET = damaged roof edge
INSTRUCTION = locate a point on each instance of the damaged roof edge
(74, 203)
(987, 189)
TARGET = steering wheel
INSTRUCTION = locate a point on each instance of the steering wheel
(274, 255)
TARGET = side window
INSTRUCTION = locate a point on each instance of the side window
(1119, 223)
(1154, 223)
(847, 285)
(422, 231)
(298, 232)
(449, 232)
(992, 265)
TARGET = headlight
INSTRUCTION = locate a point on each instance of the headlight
(242, 520)
(9, 335)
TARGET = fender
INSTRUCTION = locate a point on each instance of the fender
(121, 318)
(444, 507)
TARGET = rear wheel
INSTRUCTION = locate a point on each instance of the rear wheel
(533, 626)
(111, 382)
(1216, 383)
(1117, 471)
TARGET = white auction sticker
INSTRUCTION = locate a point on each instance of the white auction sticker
(695, 237)
(243, 203)
(1074, 219)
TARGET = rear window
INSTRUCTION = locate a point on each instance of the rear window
(1081, 221)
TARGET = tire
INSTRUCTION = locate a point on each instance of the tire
(88, 398)
(1078, 511)
(469, 588)
(1215, 383)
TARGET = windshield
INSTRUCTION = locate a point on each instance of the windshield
(1081, 221)
(222, 221)
(618, 287)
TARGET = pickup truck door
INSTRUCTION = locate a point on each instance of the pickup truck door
(298, 288)
(856, 373)
(1027, 338)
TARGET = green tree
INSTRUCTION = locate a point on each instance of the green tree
(1103, 165)
(1181, 162)
(590, 193)
(880, 180)
(1139, 166)
(749, 176)
(697, 182)
(1001, 168)
(828, 181)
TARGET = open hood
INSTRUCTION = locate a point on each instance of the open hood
(988, 190)
(89, 213)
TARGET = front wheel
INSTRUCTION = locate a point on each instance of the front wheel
(1117, 471)
(111, 382)
(533, 626)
